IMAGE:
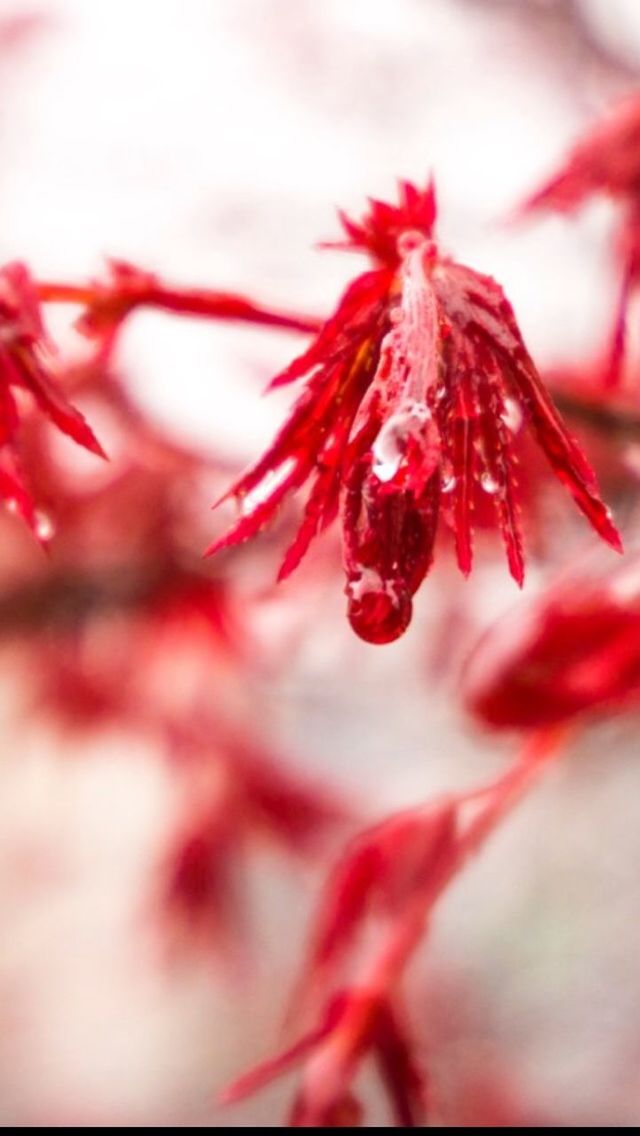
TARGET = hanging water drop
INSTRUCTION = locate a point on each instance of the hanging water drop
(379, 614)
(44, 526)
(489, 483)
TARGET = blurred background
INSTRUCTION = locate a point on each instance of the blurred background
(211, 141)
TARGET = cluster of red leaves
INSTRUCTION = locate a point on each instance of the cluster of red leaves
(414, 393)
(406, 415)
(27, 359)
(32, 375)
(240, 798)
(416, 388)
(390, 878)
(574, 653)
(606, 161)
(124, 626)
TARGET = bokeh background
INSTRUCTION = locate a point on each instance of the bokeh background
(211, 140)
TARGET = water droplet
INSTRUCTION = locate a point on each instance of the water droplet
(266, 488)
(44, 526)
(419, 411)
(448, 479)
(488, 482)
(11, 505)
(386, 470)
(378, 612)
(391, 443)
(512, 415)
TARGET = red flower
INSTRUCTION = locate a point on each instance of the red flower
(576, 652)
(26, 357)
(404, 416)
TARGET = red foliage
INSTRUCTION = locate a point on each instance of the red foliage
(125, 626)
(414, 392)
(395, 872)
(606, 161)
(404, 417)
(356, 1023)
(27, 362)
(239, 796)
(382, 871)
(575, 652)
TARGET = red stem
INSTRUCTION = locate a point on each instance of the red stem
(204, 303)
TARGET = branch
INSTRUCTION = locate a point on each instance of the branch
(111, 303)
(420, 852)
(497, 799)
(616, 420)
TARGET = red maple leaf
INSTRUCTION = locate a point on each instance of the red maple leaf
(26, 364)
(606, 161)
(574, 652)
(404, 418)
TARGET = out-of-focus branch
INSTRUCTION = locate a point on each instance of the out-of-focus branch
(110, 305)
(453, 830)
(561, 29)
(493, 803)
(618, 421)
(66, 599)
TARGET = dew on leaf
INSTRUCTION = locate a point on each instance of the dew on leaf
(391, 444)
(44, 526)
(489, 483)
(448, 478)
(511, 415)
